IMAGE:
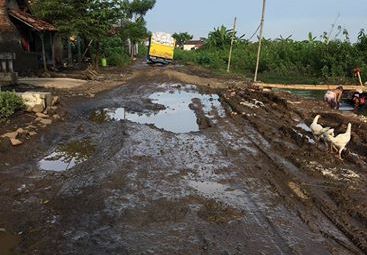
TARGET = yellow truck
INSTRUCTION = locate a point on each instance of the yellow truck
(161, 48)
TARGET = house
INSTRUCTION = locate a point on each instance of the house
(193, 44)
(28, 39)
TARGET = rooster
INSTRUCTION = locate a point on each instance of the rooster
(340, 141)
(316, 129)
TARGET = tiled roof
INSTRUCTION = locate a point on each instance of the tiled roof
(31, 21)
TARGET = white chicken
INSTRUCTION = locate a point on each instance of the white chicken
(316, 129)
(340, 141)
(326, 137)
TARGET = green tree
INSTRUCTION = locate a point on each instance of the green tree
(219, 38)
(182, 38)
(131, 18)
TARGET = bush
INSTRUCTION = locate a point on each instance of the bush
(9, 104)
(285, 60)
(120, 60)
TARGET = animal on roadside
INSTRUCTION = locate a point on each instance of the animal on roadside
(340, 141)
(316, 129)
(333, 97)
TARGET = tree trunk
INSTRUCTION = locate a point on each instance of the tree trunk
(43, 53)
(70, 56)
(79, 51)
(53, 50)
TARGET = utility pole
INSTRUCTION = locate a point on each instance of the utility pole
(260, 40)
(232, 41)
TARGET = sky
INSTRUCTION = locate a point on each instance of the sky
(283, 17)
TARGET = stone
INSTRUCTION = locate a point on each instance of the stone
(41, 115)
(36, 101)
(56, 117)
(15, 142)
(45, 121)
(21, 131)
(37, 108)
(11, 135)
(55, 100)
(32, 133)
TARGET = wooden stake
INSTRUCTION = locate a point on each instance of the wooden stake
(260, 40)
(232, 41)
(359, 78)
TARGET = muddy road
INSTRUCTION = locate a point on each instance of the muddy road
(157, 166)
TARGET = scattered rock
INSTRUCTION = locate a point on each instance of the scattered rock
(55, 101)
(11, 135)
(21, 131)
(15, 142)
(32, 133)
(41, 115)
(45, 121)
(56, 117)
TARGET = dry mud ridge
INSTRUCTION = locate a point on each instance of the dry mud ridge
(157, 166)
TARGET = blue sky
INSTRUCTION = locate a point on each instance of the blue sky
(283, 17)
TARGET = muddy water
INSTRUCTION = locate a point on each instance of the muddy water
(67, 156)
(319, 95)
(177, 117)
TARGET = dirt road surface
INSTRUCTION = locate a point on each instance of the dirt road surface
(160, 166)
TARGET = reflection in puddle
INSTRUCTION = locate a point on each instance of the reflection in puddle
(67, 156)
(8, 243)
(221, 192)
(177, 117)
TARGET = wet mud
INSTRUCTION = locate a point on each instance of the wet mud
(160, 166)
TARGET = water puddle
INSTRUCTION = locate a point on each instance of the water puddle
(177, 117)
(8, 243)
(303, 126)
(65, 157)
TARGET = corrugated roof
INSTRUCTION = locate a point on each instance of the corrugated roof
(31, 21)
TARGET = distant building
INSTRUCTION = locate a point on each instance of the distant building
(24, 36)
(193, 44)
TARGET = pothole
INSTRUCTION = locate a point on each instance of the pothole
(177, 117)
(67, 156)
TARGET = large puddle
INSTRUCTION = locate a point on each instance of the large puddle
(65, 157)
(177, 117)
